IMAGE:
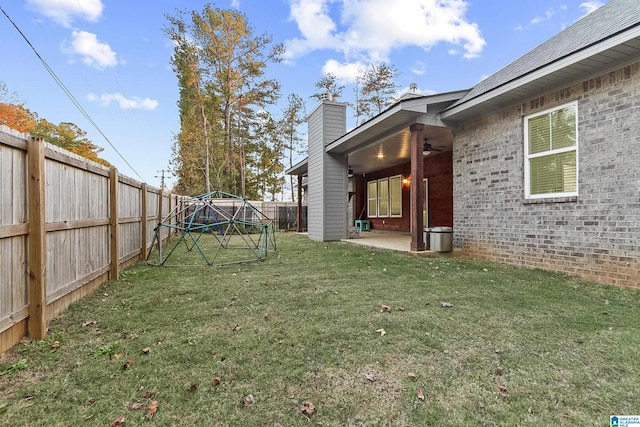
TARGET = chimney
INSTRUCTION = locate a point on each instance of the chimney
(413, 87)
(327, 187)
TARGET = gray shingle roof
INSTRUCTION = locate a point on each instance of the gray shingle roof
(605, 22)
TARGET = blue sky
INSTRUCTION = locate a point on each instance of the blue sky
(114, 57)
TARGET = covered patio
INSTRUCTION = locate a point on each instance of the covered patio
(383, 240)
(394, 172)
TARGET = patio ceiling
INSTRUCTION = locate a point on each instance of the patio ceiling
(384, 140)
(394, 149)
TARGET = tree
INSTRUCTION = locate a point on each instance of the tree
(329, 87)
(70, 137)
(17, 117)
(377, 89)
(231, 63)
(6, 97)
(293, 116)
(192, 153)
(267, 155)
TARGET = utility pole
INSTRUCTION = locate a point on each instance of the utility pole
(162, 186)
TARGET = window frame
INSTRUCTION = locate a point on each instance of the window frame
(394, 178)
(528, 157)
(370, 199)
(383, 183)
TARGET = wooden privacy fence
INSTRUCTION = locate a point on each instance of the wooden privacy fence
(66, 226)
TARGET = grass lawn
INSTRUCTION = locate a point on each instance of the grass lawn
(256, 344)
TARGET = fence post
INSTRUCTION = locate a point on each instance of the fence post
(37, 240)
(299, 216)
(159, 229)
(114, 271)
(143, 225)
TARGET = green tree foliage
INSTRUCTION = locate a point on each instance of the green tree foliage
(220, 65)
(293, 115)
(267, 156)
(197, 146)
(376, 89)
(328, 86)
(70, 137)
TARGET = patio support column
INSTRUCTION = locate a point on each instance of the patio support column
(299, 219)
(416, 192)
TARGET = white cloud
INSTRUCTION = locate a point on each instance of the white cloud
(235, 4)
(124, 103)
(548, 14)
(369, 30)
(345, 72)
(93, 52)
(590, 6)
(419, 68)
(64, 11)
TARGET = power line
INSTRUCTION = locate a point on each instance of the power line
(67, 92)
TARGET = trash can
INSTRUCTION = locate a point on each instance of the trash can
(441, 239)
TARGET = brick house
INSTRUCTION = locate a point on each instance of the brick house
(538, 165)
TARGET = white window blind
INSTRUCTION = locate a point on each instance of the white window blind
(551, 153)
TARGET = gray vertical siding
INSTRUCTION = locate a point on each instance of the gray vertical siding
(327, 184)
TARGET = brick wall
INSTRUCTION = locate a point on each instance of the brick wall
(438, 169)
(595, 235)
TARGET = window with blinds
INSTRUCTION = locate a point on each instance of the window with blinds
(551, 152)
(372, 199)
(384, 197)
(395, 195)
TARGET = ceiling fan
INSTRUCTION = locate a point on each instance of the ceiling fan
(427, 148)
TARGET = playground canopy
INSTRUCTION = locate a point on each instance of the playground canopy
(216, 229)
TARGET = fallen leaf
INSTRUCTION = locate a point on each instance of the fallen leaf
(236, 328)
(146, 350)
(307, 409)
(420, 394)
(370, 377)
(117, 422)
(385, 309)
(55, 344)
(446, 304)
(132, 336)
(249, 400)
(147, 394)
(193, 387)
(502, 390)
(136, 406)
(88, 322)
(277, 425)
(217, 381)
(382, 332)
(152, 408)
(128, 364)
(411, 375)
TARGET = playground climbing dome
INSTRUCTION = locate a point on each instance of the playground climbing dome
(213, 229)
